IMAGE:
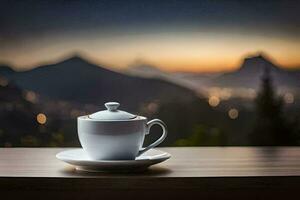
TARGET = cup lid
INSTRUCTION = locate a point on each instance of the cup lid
(112, 113)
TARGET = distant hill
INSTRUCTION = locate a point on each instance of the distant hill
(77, 80)
(251, 70)
(248, 75)
(145, 70)
(185, 79)
(17, 115)
(6, 70)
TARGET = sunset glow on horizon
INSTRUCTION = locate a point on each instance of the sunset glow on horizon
(195, 52)
(212, 40)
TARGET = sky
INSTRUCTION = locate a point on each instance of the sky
(175, 35)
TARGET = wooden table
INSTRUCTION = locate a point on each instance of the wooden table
(200, 172)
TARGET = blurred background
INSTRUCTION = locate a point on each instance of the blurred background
(219, 73)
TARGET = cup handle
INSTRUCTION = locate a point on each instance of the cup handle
(162, 137)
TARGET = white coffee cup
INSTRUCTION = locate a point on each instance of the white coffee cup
(116, 135)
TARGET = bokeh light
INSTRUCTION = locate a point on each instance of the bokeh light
(288, 98)
(214, 101)
(41, 118)
(31, 96)
(152, 107)
(233, 113)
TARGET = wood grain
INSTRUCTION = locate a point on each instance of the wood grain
(210, 172)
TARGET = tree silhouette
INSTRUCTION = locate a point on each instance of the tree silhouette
(271, 128)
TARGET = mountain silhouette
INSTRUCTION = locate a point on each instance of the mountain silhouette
(248, 75)
(257, 64)
(6, 70)
(184, 79)
(251, 70)
(80, 81)
(145, 70)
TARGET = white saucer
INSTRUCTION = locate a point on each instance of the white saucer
(81, 161)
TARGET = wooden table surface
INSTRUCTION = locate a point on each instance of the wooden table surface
(214, 172)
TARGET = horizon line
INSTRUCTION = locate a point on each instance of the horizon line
(85, 57)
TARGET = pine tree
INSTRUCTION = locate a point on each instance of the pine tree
(271, 128)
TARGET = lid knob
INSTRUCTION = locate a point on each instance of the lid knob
(112, 106)
(112, 113)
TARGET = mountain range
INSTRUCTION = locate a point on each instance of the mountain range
(251, 70)
(248, 75)
(77, 80)
(78, 83)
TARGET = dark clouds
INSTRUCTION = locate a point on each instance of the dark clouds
(25, 19)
